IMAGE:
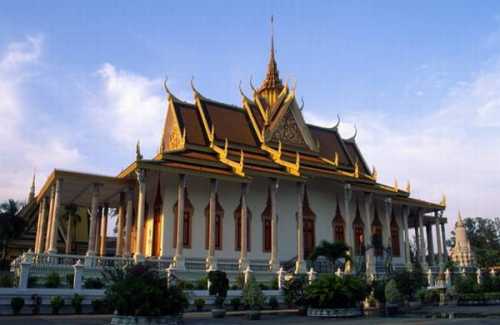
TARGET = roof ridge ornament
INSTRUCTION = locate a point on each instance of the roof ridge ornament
(374, 173)
(443, 200)
(408, 186)
(353, 138)
(396, 188)
(336, 126)
(138, 154)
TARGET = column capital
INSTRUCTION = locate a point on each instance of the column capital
(141, 175)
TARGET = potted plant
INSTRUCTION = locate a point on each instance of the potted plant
(273, 303)
(333, 296)
(294, 293)
(76, 303)
(56, 303)
(199, 303)
(140, 294)
(17, 303)
(53, 280)
(235, 303)
(219, 284)
(393, 298)
(253, 298)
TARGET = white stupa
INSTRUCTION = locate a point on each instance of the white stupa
(462, 253)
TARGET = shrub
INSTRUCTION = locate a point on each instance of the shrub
(6, 281)
(201, 284)
(36, 301)
(240, 281)
(273, 303)
(17, 303)
(99, 306)
(76, 302)
(219, 286)
(263, 286)
(235, 303)
(53, 280)
(56, 303)
(140, 290)
(392, 294)
(253, 296)
(331, 291)
(273, 285)
(199, 303)
(429, 296)
(93, 283)
(32, 282)
(408, 283)
(70, 279)
(378, 287)
(294, 290)
(466, 284)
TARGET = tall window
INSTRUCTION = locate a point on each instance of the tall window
(338, 225)
(377, 235)
(396, 250)
(358, 234)
(157, 212)
(266, 224)
(237, 227)
(309, 226)
(219, 213)
(186, 226)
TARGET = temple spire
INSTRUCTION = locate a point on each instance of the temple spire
(272, 81)
(31, 195)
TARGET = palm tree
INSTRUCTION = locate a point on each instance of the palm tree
(11, 225)
(333, 251)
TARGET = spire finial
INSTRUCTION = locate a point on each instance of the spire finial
(31, 195)
(272, 80)
(138, 154)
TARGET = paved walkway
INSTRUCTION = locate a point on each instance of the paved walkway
(471, 315)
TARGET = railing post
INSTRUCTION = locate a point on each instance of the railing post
(281, 278)
(311, 275)
(339, 273)
(430, 278)
(25, 267)
(479, 276)
(248, 275)
(447, 278)
(170, 276)
(78, 274)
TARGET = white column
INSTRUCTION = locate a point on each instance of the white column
(405, 212)
(421, 241)
(164, 229)
(300, 266)
(274, 263)
(78, 275)
(121, 226)
(38, 226)
(94, 209)
(349, 231)
(368, 220)
(439, 241)
(210, 261)
(97, 231)
(43, 225)
(386, 232)
(68, 234)
(178, 258)
(243, 263)
(104, 230)
(55, 218)
(49, 218)
(129, 214)
(139, 253)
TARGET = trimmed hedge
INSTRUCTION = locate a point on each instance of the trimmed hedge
(479, 298)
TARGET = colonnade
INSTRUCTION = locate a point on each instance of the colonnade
(50, 206)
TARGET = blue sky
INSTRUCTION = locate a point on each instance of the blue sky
(80, 83)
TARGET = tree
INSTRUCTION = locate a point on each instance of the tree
(484, 237)
(11, 226)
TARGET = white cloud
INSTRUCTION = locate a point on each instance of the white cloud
(131, 107)
(22, 153)
(453, 150)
